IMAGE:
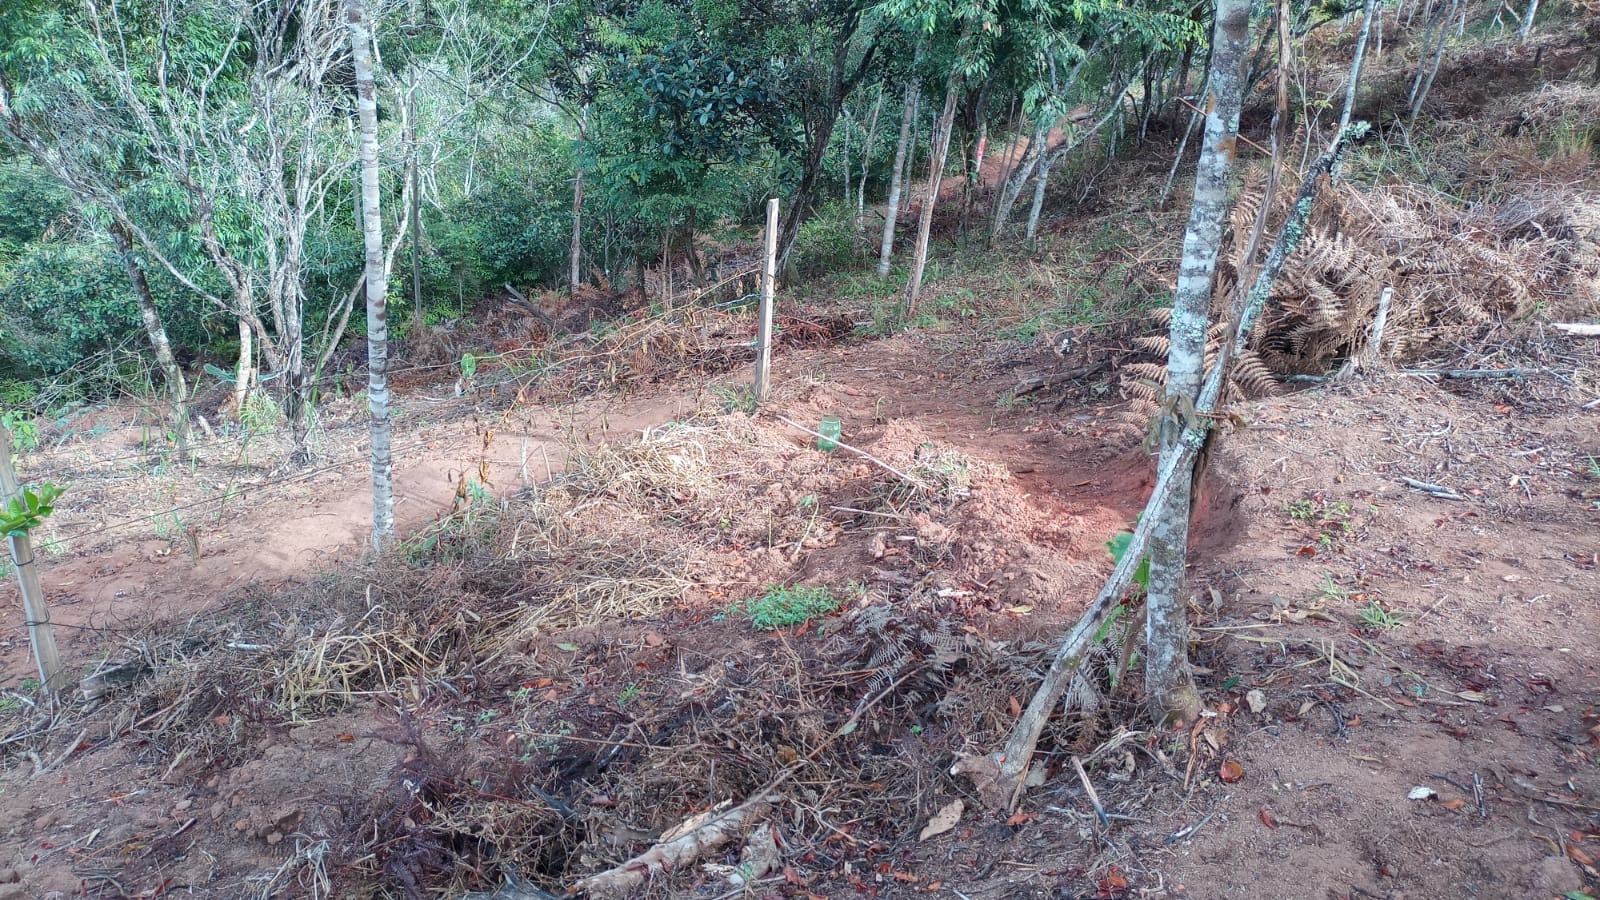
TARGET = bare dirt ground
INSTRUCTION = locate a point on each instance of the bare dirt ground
(560, 663)
(1397, 641)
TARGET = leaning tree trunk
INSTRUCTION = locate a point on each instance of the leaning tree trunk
(1169, 683)
(1011, 187)
(941, 147)
(177, 388)
(891, 216)
(377, 280)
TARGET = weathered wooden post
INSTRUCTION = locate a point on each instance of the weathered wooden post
(34, 612)
(769, 274)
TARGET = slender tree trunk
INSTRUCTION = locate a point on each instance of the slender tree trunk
(1527, 21)
(1433, 68)
(1428, 65)
(1169, 682)
(941, 146)
(1039, 184)
(244, 372)
(1011, 188)
(414, 208)
(1356, 63)
(377, 279)
(177, 388)
(892, 213)
(575, 252)
(866, 164)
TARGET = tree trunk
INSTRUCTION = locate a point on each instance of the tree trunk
(244, 372)
(1011, 188)
(377, 280)
(1169, 682)
(1428, 65)
(892, 213)
(1355, 64)
(866, 164)
(940, 147)
(1527, 21)
(1039, 185)
(177, 388)
(575, 255)
(413, 208)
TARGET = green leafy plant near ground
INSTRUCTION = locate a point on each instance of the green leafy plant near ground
(1328, 522)
(24, 434)
(29, 511)
(784, 606)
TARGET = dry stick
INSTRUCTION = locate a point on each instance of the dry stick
(769, 272)
(859, 452)
(35, 613)
(1372, 355)
(1577, 329)
(997, 776)
(691, 839)
(1088, 788)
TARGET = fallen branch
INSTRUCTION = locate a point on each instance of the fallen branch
(857, 451)
(533, 309)
(1577, 329)
(1436, 490)
(1436, 373)
(1038, 382)
(710, 830)
(681, 847)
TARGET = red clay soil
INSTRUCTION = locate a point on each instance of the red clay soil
(1397, 640)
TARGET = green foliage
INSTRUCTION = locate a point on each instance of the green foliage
(1119, 548)
(27, 512)
(24, 434)
(786, 606)
(828, 242)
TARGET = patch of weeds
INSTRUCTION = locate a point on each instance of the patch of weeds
(1330, 590)
(1326, 523)
(259, 412)
(1377, 618)
(785, 606)
(736, 399)
(458, 534)
(629, 694)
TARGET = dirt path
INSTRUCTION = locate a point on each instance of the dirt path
(264, 526)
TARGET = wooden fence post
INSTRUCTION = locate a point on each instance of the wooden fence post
(769, 274)
(34, 612)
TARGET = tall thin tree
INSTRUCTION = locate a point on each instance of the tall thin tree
(377, 277)
(937, 153)
(1169, 681)
(891, 216)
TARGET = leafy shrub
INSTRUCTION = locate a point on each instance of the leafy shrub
(827, 242)
(785, 606)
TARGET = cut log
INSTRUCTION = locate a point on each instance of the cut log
(533, 309)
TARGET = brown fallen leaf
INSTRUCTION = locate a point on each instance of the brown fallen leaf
(944, 820)
(1267, 819)
(1455, 803)
(1016, 707)
(1579, 856)
(1231, 772)
(1020, 817)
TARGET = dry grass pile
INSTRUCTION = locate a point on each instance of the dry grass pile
(689, 340)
